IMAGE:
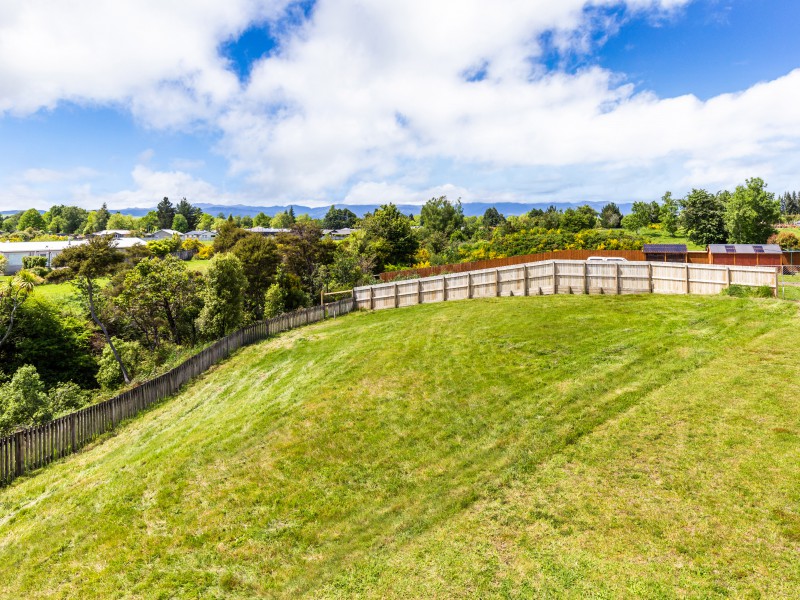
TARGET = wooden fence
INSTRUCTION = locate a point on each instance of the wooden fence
(566, 277)
(700, 257)
(34, 447)
(634, 255)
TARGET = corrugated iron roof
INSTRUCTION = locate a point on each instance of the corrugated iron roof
(744, 249)
(665, 248)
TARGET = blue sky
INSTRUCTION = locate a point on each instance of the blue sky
(277, 102)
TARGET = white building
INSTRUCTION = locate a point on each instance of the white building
(15, 251)
(163, 234)
(201, 235)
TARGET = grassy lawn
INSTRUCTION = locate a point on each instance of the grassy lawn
(199, 265)
(662, 237)
(634, 446)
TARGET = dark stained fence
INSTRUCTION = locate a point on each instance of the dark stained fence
(34, 447)
(632, 255)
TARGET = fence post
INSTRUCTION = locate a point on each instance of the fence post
(777, 280)
(497, 282)
(586, 278)
(618, 281)
(371, 298)
(396, 297)
(555, 278)
(72, 431)
(444, 288)
(469, 285)
(687, 278)
(730, 278)
(525, 281)
(18, 454)
(419, 291)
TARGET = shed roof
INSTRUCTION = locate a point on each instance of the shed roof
(665, 248)
(744, 249)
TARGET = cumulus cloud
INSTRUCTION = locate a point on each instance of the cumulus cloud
(375, 101)
(158, 57)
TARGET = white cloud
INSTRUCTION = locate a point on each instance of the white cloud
(370, 101)
(157, 56)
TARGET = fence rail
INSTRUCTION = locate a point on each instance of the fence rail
(566, 277)
(35, 447)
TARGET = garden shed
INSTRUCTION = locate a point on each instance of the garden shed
(675, 253)
(745, 255)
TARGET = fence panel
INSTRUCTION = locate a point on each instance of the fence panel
(34, 447)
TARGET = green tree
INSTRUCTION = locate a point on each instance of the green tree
(192, 214)
(282, 220)
(13, 295)
(228, 235)
(493, 218)
(120, 221)
(580, 219)
(751, 213)
(165, 212)
(160, 298)
(87, 263)
(303, 251)
(206, 222)
(440, 215)
(101, 218)
(610, 216)
(259, 258)
(669, 213)
(57, 342)
(339, 218)
(389, 233)
(179, 223)
(703, 217)
(149, 222)
(261, 220)
(31, 218)
(223, 296)
(130, 353)
(23, 401)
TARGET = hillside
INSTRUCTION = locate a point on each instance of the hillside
(561, 446)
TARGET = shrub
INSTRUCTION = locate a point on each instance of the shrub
(205, 253)
(744, 291)
(3, 264)
(58, 276)
(30, 262)
(66, 397)
(132, 356)
(23, 401)
(192, 245)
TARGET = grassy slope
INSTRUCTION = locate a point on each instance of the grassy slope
(566, 446)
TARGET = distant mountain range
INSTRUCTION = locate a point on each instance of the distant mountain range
(471, 209)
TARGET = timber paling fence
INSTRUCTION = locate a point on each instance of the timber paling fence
(34, 447)
(566, 277)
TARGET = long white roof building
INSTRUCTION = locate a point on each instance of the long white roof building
(15, 251)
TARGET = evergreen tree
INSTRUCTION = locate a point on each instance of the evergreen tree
(610, 216)
(101, 218)
(493, 218)
(166, 213)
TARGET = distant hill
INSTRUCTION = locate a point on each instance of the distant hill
(471, 209)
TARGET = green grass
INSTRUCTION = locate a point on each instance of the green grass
(201, 266)
(634, 446)
(655, 236)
